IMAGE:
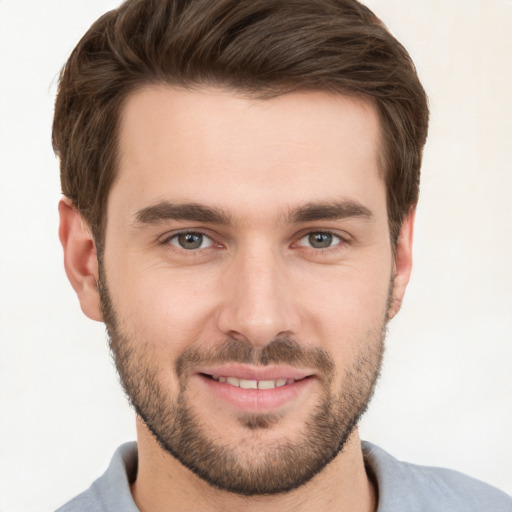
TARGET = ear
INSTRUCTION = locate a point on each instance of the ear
(80, 259)
(403, 264)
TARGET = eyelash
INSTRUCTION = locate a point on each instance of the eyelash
(331, 247)
(166, 241)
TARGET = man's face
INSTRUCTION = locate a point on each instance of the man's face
(247, 277)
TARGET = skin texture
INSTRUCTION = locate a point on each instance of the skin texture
(266, 174)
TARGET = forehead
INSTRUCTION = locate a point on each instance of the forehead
(217, 147)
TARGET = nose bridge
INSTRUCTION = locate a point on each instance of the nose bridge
(257, 305)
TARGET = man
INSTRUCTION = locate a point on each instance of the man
(240, 179)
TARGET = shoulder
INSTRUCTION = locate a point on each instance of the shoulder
(404, 486)
(110, 492)
(81, 503)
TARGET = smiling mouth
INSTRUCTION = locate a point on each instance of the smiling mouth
(252, 383)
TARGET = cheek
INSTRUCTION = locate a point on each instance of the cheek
(171, 308)
(168, 309)
(346, 309)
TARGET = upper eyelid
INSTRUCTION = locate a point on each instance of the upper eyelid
(321, 231)
(170, 235)
(342, 235)
(167, 242)
(342, 240)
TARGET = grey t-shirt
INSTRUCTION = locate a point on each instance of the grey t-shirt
(402, 487)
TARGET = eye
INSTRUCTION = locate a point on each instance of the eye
(190, 241)
(319, 240)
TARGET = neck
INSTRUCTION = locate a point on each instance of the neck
(163, 484)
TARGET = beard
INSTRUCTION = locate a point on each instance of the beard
(255, 464)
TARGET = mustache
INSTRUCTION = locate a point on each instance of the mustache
(281, 350)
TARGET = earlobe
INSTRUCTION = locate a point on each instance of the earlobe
(80, 260)
(402, 264)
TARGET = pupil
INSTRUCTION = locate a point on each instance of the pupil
(320, 240)
(190, 240)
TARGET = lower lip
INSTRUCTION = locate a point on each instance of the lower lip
(256, 400)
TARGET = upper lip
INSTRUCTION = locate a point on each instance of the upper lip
(247, 372)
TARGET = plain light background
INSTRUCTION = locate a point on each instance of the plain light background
(445, 396)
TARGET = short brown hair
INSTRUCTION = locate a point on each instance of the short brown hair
(260, 47)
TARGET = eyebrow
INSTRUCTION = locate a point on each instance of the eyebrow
(195, 212)
(187, 211)
(329, 211)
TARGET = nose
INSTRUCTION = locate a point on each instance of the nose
(258, 303)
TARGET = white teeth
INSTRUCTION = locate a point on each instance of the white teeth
(248, 384)
(233, 381)
(266, 384)
(253, 384)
